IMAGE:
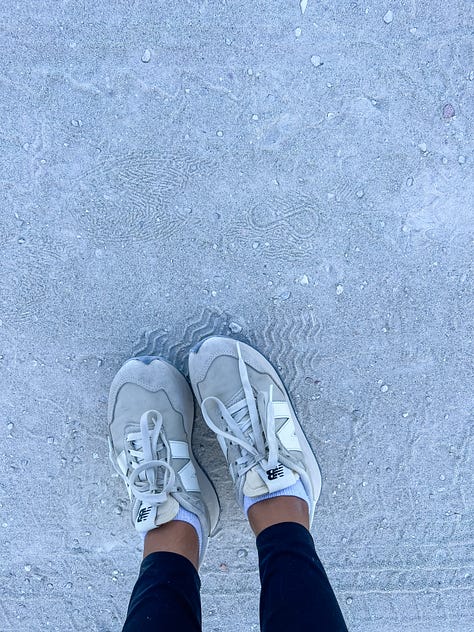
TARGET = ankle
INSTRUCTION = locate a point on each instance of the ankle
(275, 510)
(174, 537)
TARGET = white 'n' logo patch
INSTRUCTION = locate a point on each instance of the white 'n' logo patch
(287, 436)
(189, 478)
(179, 449)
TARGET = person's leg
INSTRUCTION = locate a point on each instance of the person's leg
(174, 506)
(174, 537)
(166, 594)
(296, 593)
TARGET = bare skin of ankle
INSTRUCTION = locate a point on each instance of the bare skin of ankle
(180, 537)
(275, 510)
(175, 537)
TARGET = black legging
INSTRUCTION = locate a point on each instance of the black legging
(296, 595)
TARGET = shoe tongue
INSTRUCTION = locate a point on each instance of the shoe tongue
(151, 516)
(259, 482)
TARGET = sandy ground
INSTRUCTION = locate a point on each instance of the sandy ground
(301, 179)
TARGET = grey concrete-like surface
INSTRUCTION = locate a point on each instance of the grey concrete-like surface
(304, 179)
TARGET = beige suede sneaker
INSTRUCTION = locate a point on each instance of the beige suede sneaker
(151, 415)
(244, 401)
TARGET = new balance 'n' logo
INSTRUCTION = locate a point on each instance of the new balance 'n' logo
(143, 514)
(275, 473)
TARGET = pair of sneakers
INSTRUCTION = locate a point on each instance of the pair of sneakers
(243, 401)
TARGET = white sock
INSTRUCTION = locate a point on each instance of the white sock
(297, 489)
(192, 519)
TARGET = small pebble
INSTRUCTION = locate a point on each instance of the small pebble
(220, 133)
(422, 147)
(224, 568)
(349, 600)
(388, 17)
(146, 56)
(410, 181)
(339, 289)
(298, 32)
(235, 327)
(303, 5)
(242, 553)
(461, 160)
(384, 388)
(255, 117)
(448, 111)
(303, 280)
(471, 75)
(316, 60)
(413, 30)
(360, 193)
(285, 295)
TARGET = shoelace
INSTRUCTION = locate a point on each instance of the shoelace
(143, 447)
(250, 423)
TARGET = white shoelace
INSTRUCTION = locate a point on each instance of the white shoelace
(250, 423)
(143, 447)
